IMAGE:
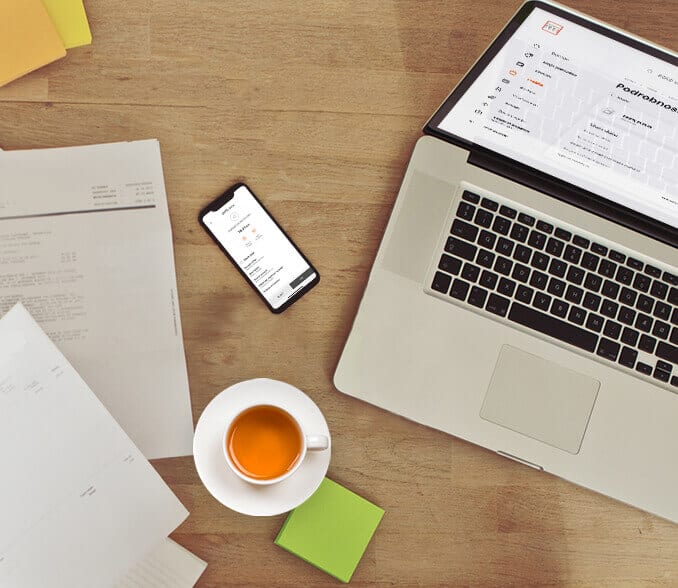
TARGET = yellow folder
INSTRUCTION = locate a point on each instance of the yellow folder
(70, 20)
(28, 38)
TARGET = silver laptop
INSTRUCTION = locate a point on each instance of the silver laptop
(525, 293)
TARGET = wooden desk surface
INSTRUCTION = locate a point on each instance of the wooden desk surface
(318, 106)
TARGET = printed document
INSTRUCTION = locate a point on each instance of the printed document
(80, 503)
(86, 246)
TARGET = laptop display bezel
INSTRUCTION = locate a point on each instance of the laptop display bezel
(530, 176)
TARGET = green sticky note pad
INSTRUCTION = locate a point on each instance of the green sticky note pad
(331, 529)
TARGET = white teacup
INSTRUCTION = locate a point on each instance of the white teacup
(265, 444)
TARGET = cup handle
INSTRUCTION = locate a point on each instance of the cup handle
(317, 442)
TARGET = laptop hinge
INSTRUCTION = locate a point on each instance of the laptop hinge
(520, 460)
(506, 169)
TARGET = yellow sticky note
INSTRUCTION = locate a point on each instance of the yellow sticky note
(28, 39)
(70, 20)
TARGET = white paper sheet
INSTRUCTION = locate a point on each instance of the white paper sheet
(86, 245)
(79, 504)
(168, 566)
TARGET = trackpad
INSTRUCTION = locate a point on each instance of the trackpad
(541, 399)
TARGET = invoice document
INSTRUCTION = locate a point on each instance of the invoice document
(86, 246)
(79, 503)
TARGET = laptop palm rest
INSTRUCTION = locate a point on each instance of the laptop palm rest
(540, 399)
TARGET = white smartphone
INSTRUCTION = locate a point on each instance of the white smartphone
(259, 248)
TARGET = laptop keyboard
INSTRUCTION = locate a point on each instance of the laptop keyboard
(501, 259)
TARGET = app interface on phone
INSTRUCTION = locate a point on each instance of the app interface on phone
(583, 107)
(259, 248)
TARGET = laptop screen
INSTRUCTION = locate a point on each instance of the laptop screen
(579, 105)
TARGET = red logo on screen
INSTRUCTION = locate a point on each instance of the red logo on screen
(552, 27)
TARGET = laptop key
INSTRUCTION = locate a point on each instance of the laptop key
(503, 265)
(624, 275)
(464, 230)
(607, 268)
(574, 294)
(521, 273)
(524, 294)
(555, 246)
(627, 296)
(489, 204)
(557, 268)
(501, 225)
(459, 289)
(519, 233)
(644, 303)
(506, 287)
(522, 253)
(610, 289)
(544, 226)
(641, 282)
(598, 248)
(612, 329)
(470, 272)
(559, 308)
(552, 326)
(572, 254)
(485, 258)
(634, 263)
(507, 211)
(460, 248)
(466, 211)
(674, 316)
(628, 357)
(673, 296)
(484, 218)
(664, 365)
(590, 261)
(575, 275)
(504, 246)
(659, 289)
(526, 219)
(487, 239)
(647, 343)
(650, 270)
(674, 336)
(593, 282)
(609, 308)
(497, 305)
(537, 240)
(643, 322)
(670, 279)
(540, 260)
(563, 234)
(595, 322)
(448, 264)
(629, 336)
(661, 375)
(577, 315)
(542, 301)
(580, 241)
(592, 301)
(470, 197)
(616, 256)
(674, 381)
(627, 315)
(539, 280)
(556, 287)
(643, 368)
(667, 351)
(441, 282)
(477, 296)
(608, 349)
(488, 280)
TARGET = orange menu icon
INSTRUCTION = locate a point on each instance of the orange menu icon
(28, 38)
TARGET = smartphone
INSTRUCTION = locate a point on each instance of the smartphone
(258, 247)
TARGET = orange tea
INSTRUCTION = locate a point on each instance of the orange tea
(264, 442)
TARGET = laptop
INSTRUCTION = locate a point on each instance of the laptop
(525, 293)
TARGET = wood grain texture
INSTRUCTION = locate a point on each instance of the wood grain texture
(318, 105)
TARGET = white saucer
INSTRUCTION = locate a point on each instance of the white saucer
(220, 480)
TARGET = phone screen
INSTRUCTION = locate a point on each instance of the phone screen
(271, 262)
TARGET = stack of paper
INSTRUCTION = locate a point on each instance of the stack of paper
(34, 33)
(86, 246)
(80, 506)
